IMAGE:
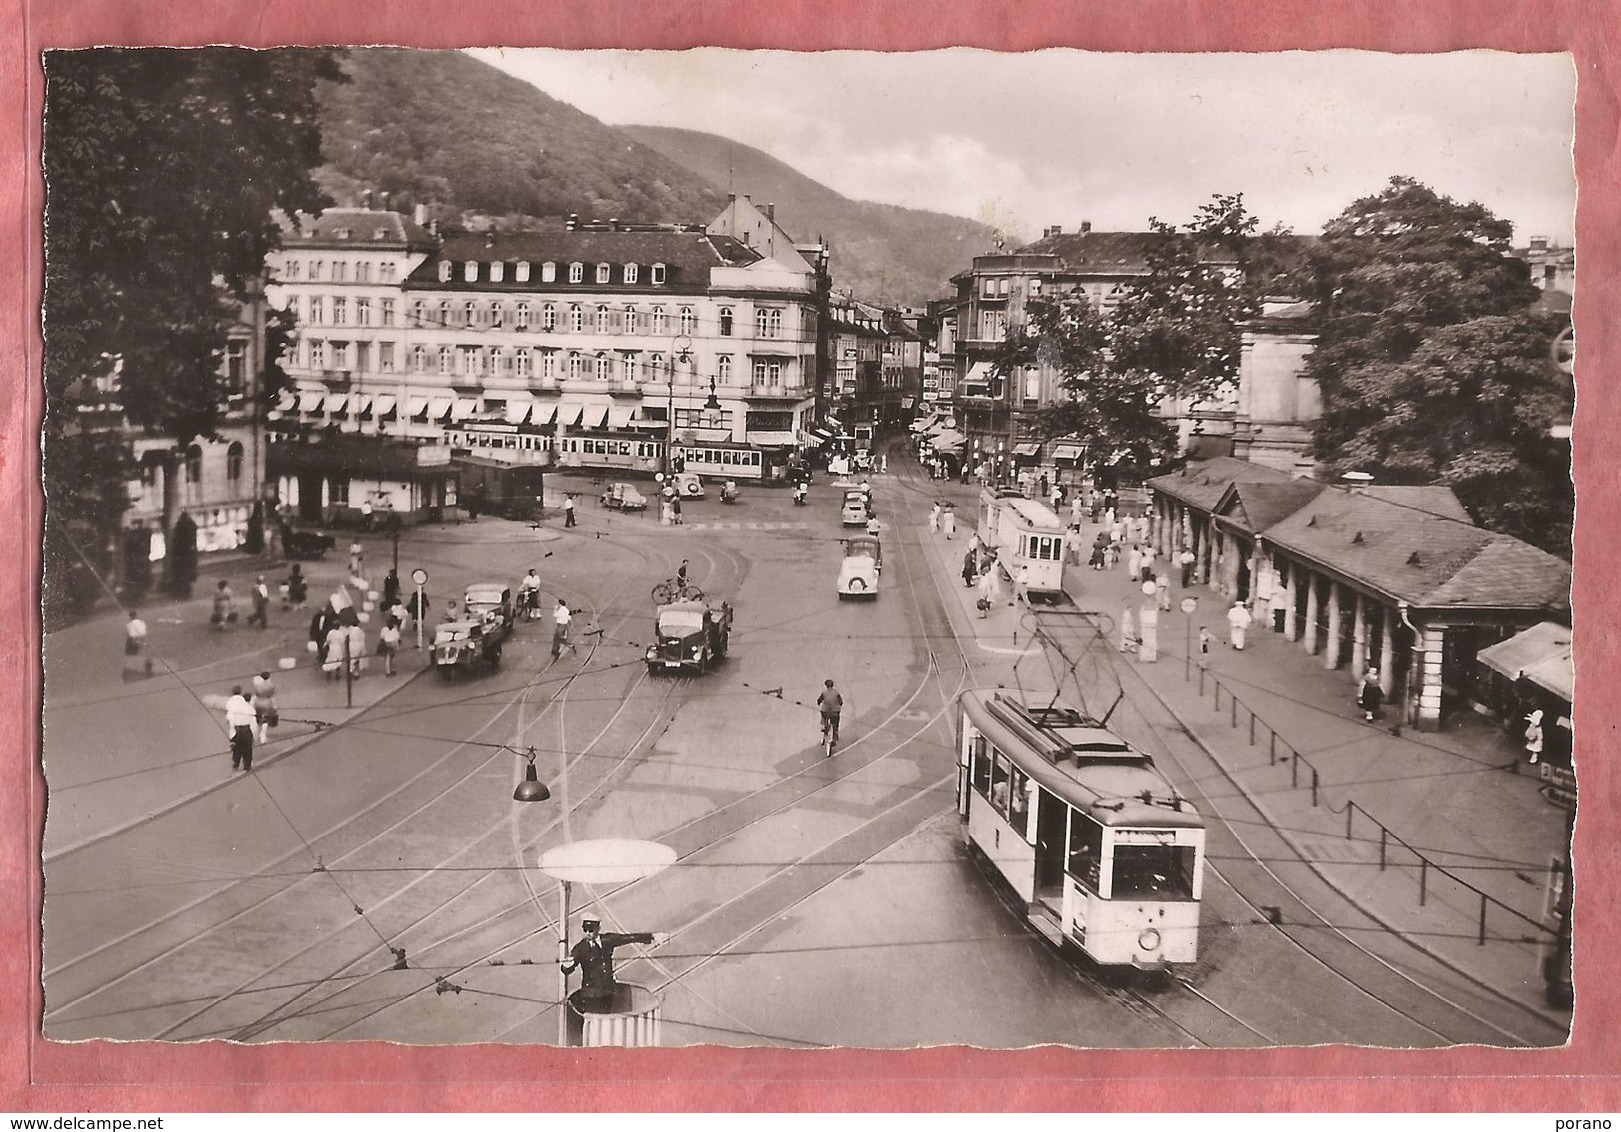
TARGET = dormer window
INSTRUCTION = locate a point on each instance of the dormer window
(521, 272)
(380, 234)
(605, 273)
(658, 273)
(576, 273)
(470, 271)
(444, 271)
(548, 272)
(497, 270)
(630, 273)
(343, 233)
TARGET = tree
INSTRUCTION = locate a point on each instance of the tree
(164, 169)
(1432, 367)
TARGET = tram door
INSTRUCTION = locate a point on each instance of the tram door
(1052, 838)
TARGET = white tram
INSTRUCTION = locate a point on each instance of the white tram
(1101, 850)
(1023, 532)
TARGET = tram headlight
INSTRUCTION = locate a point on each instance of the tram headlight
(1149, 939)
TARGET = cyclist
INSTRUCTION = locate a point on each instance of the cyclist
(831, 703)
(681, 580)
(529, 591)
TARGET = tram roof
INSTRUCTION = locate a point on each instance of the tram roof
(1087, 766)
(1031, 512)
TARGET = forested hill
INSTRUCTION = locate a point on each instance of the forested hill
(443, 127)
(884, 253)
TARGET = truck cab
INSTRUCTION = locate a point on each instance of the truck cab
(490, 604)
(689, 636)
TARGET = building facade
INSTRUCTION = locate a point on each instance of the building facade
(506, 342)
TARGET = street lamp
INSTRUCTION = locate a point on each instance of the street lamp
(531, 789)
(680, 347)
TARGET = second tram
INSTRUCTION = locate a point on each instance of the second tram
(1100, 849)
(1023, 533)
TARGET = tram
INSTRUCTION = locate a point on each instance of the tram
(1023, 533)
(632, 452)
(1102, 852)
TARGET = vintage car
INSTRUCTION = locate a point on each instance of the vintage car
(688, 485)
(464, 646)
(623, 497)
(490, 603)
(856, 510)
(689, 635)
(863, 560)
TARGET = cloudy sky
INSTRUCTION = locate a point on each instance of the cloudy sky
(1058, 136)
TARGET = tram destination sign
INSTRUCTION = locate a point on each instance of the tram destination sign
(1146, 836)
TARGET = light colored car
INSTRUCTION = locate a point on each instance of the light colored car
(624, 497)
(854, 512)
(858, 575)
(688, 485)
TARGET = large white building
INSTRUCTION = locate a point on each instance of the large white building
(508, 343)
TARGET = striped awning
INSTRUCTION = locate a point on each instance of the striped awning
(439, 407)
(619, 416)
(517, 411)
(463, 408)
(1067, 452)
(595, 416)
(383, 405)
(543, 413)
(568, 415)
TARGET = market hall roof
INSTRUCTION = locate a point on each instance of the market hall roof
(686, 256)
(1424, 559)
(1203, 484)
(1256, 505)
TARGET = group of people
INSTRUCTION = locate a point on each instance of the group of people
(248, 721)
(943, 517)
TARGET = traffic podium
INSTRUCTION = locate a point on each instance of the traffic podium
(630, 1018)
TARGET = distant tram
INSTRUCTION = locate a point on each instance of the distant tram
(627, 453)
(1103, 853)
(1023, 533)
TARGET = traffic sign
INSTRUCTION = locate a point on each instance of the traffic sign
(419, 576)
(1189, 604)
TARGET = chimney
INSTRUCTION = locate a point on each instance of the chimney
(771, 212)
(365, 199)
(420, 215)
(731, 198)
(489, 237)
(1086, 226)
(573, 222)
(613, 223)
(382, 199)
(1539, 243)
(1055, 230)
(1357, 481)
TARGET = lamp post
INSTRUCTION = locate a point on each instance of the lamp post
(680, 347)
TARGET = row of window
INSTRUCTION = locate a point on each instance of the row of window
(234, 456)
(336, 310)
(340, 271)
(479, 361)
(495, 271)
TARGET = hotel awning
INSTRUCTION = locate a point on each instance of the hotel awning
(359, 404)
(1027, 448)
(336, 403)
(568, 416)
(383, 405)
(439, 407)
(310, 402)
(1541, 654)
(543, 413)
(594, 416)
(463, 408)
(287, 401)
(949, 441)
(1068, 452)
(517, 412)
(619, 416)
(773, 439)
(416, 407)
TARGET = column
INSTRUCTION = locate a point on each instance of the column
(1309, 629)
(1387, 652)
(1428, 710)
(1336, 628)
(1359, 637)
(1289, 582)
(1206, 549)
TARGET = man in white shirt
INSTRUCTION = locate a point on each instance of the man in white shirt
(240, 721)
(560, 621)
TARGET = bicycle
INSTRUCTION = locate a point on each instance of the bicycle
(671, 590)
(830, 735)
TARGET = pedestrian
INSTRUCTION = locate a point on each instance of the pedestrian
(681, 579)
(1100, 551)
(355, 642)
(224, 606)
(239, 724)
(568, 509)
(973, 543)
(418, 606)
(934, 518)
(666, 513)
(1149, 554)
(1076, 511)
(1369, 696)
(318, 632)
(261, 604)
(332, 656)
(1162, 590)
(1021, 586)
(357, 559)
(401, 615)
(388, 643)
(675, 510)
(1134, 563)
(1043, 483)
(134, 635)
(1238, 623)
(391, 589)
(948, 522)
(1058, 497)
(298, 590)
(1128, 631)
(265, 714)
(1204, 648)
(1186, 560)
(1533, 736)
(883, 463)
(560, 622)
(970, 568)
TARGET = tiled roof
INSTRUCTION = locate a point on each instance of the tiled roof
(1419, 557)
(1107, 252)
(339, 226)
(1202, 484)
(1437, 499)
(1257, 506)
(687, 256)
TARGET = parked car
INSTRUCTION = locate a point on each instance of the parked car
(624, 497)
(306, 544)
(858, 575)
(688, 485)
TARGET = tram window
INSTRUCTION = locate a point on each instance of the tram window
(999, 783)
(982, 766)
(1162, 871)
(1085, 849)
(1018, 798)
